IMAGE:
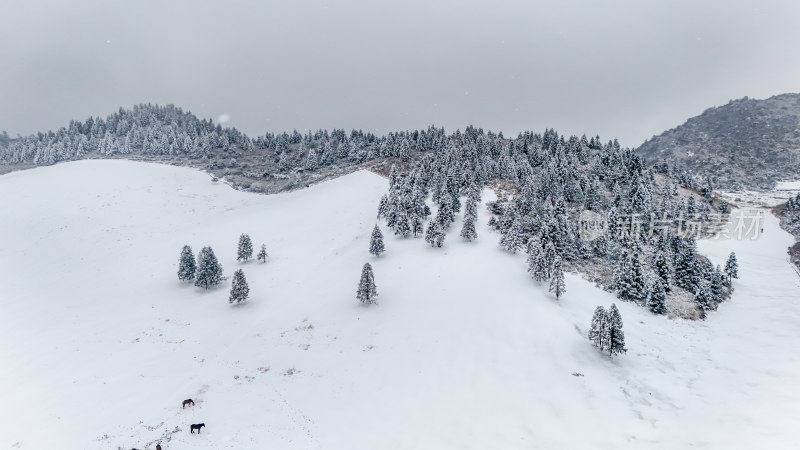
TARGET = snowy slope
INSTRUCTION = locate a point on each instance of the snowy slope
(100, 343)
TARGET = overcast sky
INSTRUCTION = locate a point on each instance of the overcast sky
(619, 68)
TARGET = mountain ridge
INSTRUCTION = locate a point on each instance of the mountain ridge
(744, 144)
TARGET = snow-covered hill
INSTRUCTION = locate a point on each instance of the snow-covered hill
(100, 343)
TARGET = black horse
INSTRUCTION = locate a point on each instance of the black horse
(196, 426)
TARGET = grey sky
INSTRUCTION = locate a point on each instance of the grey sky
(624, 68)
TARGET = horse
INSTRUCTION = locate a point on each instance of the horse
(158, 446)
(188, 401)
(196, 426)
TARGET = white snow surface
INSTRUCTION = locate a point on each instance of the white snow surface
(100, 342)
(788, 185)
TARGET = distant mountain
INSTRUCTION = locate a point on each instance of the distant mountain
(746, 144)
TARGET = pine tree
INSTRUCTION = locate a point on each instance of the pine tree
(717, 285)
(597, 329)
(376, 242)
(245, 248)
(537, 267)
(439, 239)
(311, 161)
(239, 288)
(732, 268)
(209, 270)
(629, 280)
(686, 264)
(471, 209)
(512, 238)
(637, 290)
(703, 297)
(416, 224)
(615, 335)
(262, 254)
(383, 206)
(662, 268)
(366, 287)
(657, 300)
(186, 265)
(557, 285)
(434, 234)
(468, 230)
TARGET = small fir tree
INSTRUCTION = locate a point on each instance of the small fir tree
(703, 297)
(376, 242)
(468, 230)
(366, 287)
(597, 329)
(732, 268)
(186, 265)
(657, 300)
(616, 337)
(245, 251)
(537, 268)
(512, 238)
(239, 288)
(557, 285)
(262, 254)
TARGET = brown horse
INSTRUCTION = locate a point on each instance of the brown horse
(186, 402)
(158, 446)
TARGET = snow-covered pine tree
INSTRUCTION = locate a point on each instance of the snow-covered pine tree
(717, 284)
(634, 287)
(311, 161)
(597, 330)
(239, 288)
(186, 265)
(512, 238)
(536, 262)
(615, 335)
(209, 270)
(376, 242)
(262, 254)
(245, 251)
(686, 264)
(732, 268)
(439, 237)
(393, 176)
(446, 215)
(557, 285)
(283, 162)
(662, 268)
(416, 224)
(468, 230)
(366, 287)
(383, 206)
(657, 300)
(703, 297)
(471, 209)
(434, 234)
